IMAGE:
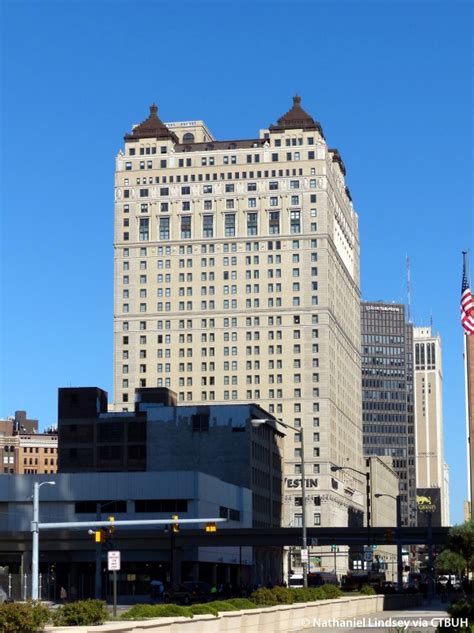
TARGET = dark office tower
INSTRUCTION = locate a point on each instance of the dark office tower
(387, 394)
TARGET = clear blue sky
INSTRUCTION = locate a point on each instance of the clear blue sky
(389, 81)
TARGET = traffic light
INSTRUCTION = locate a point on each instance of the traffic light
(175, 526)
(388, 536)
(333, 547)
(111, 528)
(99, 536)
(211, 527)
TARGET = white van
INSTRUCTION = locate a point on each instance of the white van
(296, 581)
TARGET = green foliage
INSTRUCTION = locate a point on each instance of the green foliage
(144, 611)
(263, 597)
(203, 609)
(224, 605)
(242, 603)
(283, 595)
(449, 562)
(462, 609)
(23, 618)
(461, 540)
(309, 594)
(367, 590)
(331, 591)
(82, 612)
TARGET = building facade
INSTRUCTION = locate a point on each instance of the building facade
(157, 436)
(237, 280)
(25, 451)
(430, 464)
(67, 556)
(387, 394)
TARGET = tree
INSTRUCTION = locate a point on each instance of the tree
(449, 562)
(461, 541)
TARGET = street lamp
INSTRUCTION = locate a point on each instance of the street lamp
(35, 546)
(398, 499)
(366, 474)
(304, 545)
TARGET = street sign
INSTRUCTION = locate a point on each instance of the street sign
(304, 555)
(368, 556)
(113, 561)
(313, 542)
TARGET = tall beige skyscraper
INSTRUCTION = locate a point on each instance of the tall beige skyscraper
(237, 280)
(431, 470)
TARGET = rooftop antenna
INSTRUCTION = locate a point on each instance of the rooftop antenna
(408, 289)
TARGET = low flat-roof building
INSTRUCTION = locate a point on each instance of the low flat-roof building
(126, 495)
(159, 435)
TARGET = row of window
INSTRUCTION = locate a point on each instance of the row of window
(178, 178)
(226, 247)
(185, 190)
(210, 161)
(229, 225)
(225, 289)
(188, 137)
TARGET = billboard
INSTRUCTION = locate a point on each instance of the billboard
(428, 501)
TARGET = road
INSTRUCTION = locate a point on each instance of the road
(421, 619)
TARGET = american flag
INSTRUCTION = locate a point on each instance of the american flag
(467, 304)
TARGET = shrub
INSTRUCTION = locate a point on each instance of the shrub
(23, 618)
(143, 611)
(331, 591)
(308, 594)
(263, 597)
(203, 609)
(283, 595)
(462, 609)
(367, 590)
(242, 603)
(82, 612)
(224, 605)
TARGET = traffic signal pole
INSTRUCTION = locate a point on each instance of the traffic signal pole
(98, 562)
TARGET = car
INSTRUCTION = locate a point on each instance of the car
(189, 592)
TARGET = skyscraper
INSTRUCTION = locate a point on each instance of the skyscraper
(237, 280)
(430, 466)
(387, 394)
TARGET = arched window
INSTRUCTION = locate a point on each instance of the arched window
(188, 138)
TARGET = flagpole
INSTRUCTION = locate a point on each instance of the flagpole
(467, 392)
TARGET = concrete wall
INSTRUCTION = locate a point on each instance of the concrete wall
(284, 618)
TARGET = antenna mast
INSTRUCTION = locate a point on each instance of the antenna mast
(408, 289)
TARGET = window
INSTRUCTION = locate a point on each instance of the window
(144, 229)
(207, 189)
(274, 222)
(164, 228)
(251, 224)
(295, 223)
(208, 226)
(229, 225)
(185, 226)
